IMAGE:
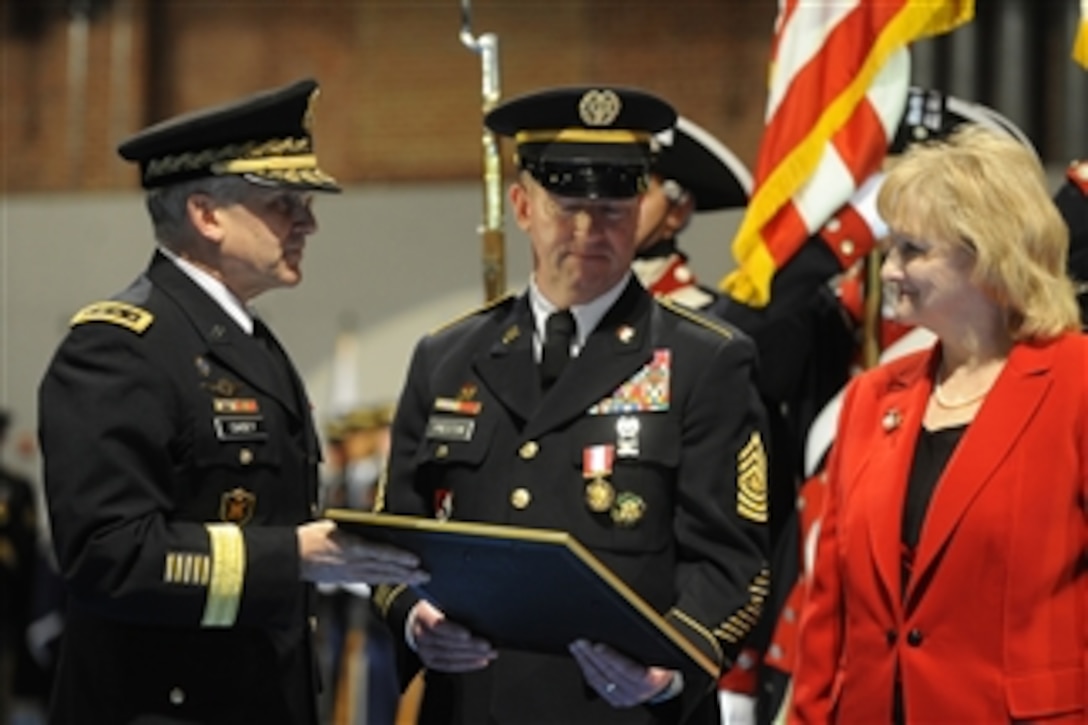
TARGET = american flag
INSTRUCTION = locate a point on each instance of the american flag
(839, 75)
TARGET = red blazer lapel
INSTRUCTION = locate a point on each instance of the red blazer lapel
(900, 410)
(986, 445)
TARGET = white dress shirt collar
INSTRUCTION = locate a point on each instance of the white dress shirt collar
(586, 317)
(215, 289)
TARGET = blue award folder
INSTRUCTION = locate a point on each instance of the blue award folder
(529, 589)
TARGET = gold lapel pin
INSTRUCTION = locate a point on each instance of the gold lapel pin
(891, 420)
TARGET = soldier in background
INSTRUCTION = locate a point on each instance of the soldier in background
(358, 647)
(18, 555)
(1072, 201)
(361, 437)
(692, 172)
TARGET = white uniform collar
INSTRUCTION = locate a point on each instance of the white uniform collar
(586, 317)
(215, 289)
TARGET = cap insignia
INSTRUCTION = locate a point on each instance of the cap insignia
(599, 107)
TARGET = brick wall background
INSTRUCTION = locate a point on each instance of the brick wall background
(400, 94)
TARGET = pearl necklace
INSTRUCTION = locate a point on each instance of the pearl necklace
(941, 401)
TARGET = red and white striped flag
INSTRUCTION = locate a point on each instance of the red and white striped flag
(840, 70)
(1080, 44)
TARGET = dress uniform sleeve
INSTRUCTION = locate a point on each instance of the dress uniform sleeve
(816, 674)
(111, 427)
(721, 506)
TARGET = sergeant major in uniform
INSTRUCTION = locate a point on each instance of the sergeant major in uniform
(585, 405)
(180, 455)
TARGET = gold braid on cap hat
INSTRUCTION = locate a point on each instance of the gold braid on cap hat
(583, 135)
(250, 157)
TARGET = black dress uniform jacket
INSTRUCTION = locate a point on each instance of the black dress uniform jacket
(149, 433)
(695, 552)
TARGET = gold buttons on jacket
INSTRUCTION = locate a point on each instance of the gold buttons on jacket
(177, 696)
(520, 498)
(441, 451)
(528, 450)
(245, 456)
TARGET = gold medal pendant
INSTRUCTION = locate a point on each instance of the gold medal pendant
(599, 495)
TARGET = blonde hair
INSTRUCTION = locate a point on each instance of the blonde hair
(988, 193)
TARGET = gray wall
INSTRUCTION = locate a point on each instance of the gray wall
(389, 263)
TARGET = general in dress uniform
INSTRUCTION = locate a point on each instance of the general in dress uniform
(180, 455)
(585, 405)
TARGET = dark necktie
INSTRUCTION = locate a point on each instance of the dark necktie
(558, 332)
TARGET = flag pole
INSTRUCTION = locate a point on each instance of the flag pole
(873, 313)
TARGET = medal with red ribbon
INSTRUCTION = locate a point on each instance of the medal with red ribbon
(597, 464)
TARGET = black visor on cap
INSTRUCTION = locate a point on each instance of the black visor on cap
(604, 171)
(589, 181)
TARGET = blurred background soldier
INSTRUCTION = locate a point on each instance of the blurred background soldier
(693, 172)
(357, 648)
(361, 437)
(18, 557)
(1072, 201)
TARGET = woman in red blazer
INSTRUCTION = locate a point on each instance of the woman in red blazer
(951, 575)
